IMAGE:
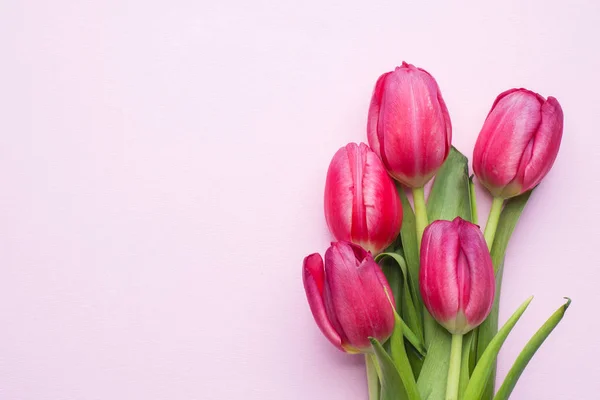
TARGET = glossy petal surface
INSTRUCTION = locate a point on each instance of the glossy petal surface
(456, 276)
(518, 143)
(409, 124)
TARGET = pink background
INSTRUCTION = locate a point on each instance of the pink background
(162, 167)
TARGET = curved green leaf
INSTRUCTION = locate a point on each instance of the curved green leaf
(401, 360)
(487, 330)
(413, 339)
(486, 364)
(407, 305)
(372, 376)
(528, 351)
(392, 387)
(465, 371)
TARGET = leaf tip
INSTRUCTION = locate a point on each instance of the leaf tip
(526, 303)
(529, 299)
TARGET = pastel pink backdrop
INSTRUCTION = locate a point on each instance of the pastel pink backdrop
(162, 166)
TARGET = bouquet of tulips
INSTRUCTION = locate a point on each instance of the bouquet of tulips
(416, 288)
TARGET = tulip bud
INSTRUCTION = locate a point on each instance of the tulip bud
(409, 125)
(456, 276)
(518, 143)
(362, 205)
(350, 298)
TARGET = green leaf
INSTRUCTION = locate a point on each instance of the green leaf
(434, 374)
(401, 360)
(416, 360)
(394, 276)
(483, 370)
(392, 387)
(473, 351)
(450, 194)
(412, 338)
(487, 330)
(407, 305)
(449, 198)
(372, 376)
(465, 371)
(530, 348)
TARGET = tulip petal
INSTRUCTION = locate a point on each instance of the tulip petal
(339, 195)
(343, 294)
(507, 131)
(518, 143)
(456, 277)
(373, 117)
(361, 202)
(479, 288)
(378, 298)
(483, 140)
(438, 282)
(382, 205)
(545, 145)
(501, 96)
(313, 276)
(356, 296)
(448, 125)
(357, 158)
(412, 124)
(409, 124)
(445, 114)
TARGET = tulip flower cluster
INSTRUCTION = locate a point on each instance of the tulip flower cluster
(429, 288)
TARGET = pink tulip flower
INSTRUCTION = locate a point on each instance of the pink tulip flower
(362, 205)
(409, 125)
(518, 143)
(456, 276)
(349, 297)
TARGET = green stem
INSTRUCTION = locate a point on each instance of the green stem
(454, 368)
(373, 376)
(420, 213)
(492, 222)
(421, 222)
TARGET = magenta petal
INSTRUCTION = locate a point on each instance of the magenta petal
(478, 297)
(339, 194)
(382, 206)
(509, 128)
(545, 145)
(313, 276)
(345, 295)
(362, 205)
(518, 142)
(438, 280)
(378, 299)
(409, 124)
(373, 117)
(456, 276)
(357, 156)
